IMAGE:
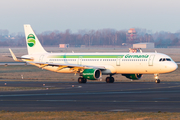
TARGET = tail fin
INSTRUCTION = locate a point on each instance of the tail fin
(33, 44)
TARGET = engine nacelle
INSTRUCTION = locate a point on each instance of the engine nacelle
(91, 74)
(133, 76)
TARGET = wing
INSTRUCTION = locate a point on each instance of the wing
(73, 67)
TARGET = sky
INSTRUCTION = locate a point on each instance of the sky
(50, 15)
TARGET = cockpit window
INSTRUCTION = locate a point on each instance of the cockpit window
(167, 59)
(164, 59)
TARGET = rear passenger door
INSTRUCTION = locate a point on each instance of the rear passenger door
(41, 58)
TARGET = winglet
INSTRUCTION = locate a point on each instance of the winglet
(14, 57)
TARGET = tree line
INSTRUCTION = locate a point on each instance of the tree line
(104, 37)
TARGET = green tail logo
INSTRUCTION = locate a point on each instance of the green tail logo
(31, 40)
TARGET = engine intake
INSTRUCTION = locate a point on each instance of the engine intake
(92, 74)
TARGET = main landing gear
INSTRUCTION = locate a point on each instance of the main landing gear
(156, 76)
(110, 79)
(82, 80)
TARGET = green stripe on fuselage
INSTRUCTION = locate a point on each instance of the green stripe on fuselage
(85, 56)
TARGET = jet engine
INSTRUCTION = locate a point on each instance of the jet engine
(133, 76)
(91, 74)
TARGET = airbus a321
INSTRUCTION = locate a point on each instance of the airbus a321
(91, 66)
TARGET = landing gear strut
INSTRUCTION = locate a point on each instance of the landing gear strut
(110, 79)
(82, 80)
(156, 76)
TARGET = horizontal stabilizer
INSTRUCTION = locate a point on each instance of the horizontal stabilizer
(18, 59)
(14, 57)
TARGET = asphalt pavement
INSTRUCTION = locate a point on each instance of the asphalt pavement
(92, 96)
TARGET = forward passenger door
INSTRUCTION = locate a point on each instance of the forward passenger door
(151, 59)
(118, 61)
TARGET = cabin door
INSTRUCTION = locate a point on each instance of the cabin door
(118, 60)
(151, 59)
(80, 60)
(41, 58)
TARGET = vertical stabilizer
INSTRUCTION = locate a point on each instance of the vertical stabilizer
(33, 44)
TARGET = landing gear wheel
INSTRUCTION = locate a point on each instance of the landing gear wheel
(112, 79)
(109, 80)
(158, 81)
(82, 80)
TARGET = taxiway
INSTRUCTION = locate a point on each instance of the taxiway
(93, 96)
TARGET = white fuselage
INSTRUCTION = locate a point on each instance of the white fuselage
(114, 63)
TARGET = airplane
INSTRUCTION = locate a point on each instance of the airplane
(91, 66)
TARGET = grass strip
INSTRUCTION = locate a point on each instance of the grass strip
(86, 115)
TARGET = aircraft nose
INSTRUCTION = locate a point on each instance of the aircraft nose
(173, 66)
(176, 66)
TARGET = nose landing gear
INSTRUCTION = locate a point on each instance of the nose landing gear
(156, 76)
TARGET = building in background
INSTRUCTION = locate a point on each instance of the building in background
(63, 45)
(143, 45)
(135, 50)
(131, 36)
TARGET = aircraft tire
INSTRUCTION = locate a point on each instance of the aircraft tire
(109, 80)
(82, 80)
(112, 79)
(158, 81)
